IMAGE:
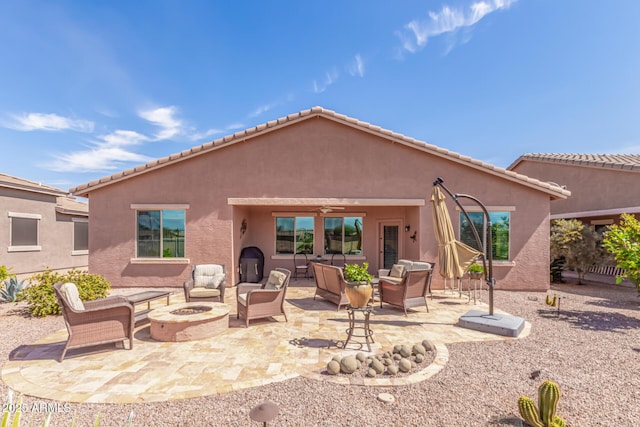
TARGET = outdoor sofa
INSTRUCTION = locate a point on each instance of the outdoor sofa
(330, 283)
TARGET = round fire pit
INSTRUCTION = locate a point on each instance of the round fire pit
(189, 321)
(188, 311)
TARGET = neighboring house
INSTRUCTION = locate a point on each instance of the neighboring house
(602, 186)
(316, 181)
(42, 227)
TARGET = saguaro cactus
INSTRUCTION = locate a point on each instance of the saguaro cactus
(545, 416)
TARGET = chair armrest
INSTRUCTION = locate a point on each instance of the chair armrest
(107, 303)
(265, 295)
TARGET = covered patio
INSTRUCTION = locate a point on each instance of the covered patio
(268, 351)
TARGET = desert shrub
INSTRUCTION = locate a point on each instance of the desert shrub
(42, 300)
(4, 273)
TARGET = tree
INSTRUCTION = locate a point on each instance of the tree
(579, 246)
(623, 242)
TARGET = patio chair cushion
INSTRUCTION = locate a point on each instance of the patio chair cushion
(204, 293)
(396, 270)
(242, 299)
(276, 280)
(70, 292)
(208, 276)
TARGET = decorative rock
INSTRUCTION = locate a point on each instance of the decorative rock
(419, 358)
(333, 367)
(413, 364)
(418, 349)
(371, 373)
(392, 369)
(404, 365)
(348, 364)
(396, 348)
(378, 367)
(397, 356)
(386, 398)
(361, 357)
(386, 354)
(387, 361)
(428, 345)
(405, 351)
(337, 358)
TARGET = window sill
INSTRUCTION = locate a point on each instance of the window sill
(84, 252)
(325, 257)
(160, 261)
(24, 248)
(504, 263)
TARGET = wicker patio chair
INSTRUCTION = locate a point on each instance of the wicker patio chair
(89, 323)
(207, 283)
(410, 292)
(256, 301)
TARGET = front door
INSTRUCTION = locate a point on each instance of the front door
(389, 243)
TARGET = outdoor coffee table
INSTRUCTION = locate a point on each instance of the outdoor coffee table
(189, 321)
(146, 296)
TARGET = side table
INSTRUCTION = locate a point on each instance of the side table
(364, 331)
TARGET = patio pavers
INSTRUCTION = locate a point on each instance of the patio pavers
(270, 350)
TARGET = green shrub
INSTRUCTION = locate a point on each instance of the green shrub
(4, 273)
(42, 300)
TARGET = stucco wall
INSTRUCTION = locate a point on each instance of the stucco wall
(591, 188)
(55, 234)
(313, 158)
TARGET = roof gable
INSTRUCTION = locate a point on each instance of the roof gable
(245, 135)
(9, 181)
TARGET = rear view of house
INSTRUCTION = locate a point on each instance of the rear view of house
(41, 227)
(316, 182)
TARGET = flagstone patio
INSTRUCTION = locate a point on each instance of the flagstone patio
(270, 350)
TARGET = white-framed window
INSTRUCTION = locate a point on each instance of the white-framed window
(343, 235)
(500, 230)
(24, 232)
(160, 231)
(80, 236)
(294, 234)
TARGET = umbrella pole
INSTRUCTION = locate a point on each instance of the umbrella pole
(488, 257)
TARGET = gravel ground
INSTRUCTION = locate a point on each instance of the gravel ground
(591, 350)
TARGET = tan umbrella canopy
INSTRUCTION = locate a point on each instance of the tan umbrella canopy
(453, 256)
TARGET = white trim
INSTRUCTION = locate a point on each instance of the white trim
(82, 252)
(24, 215)
(24, 248)
(159, 261)
(159, 206)
(282, 201)
(79, 219)
(601, 212)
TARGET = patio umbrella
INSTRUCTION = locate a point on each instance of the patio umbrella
(453, 256)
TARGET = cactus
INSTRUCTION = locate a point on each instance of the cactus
(548, 396)
(529, 412)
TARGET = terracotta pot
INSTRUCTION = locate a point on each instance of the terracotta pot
(475, 275)
(358, 294)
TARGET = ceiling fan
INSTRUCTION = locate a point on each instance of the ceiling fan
(325, 209)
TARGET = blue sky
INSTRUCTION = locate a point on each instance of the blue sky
(90, 88)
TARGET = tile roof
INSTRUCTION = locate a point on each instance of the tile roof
(71, 206)
(554, 191)
(14, 182)
(630, 162)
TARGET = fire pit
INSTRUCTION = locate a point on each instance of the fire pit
(189, 321)
(186, 311)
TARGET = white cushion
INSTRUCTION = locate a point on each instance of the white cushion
(208, 276)
(242, 299)
(396, 270)
(276, 280)
(204, 293)
(70, 292)
(418, 265)
(406, 263)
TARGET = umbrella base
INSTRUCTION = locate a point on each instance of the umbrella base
(499, 324)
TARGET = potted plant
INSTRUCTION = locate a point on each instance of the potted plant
(475, 271)
(359, 288)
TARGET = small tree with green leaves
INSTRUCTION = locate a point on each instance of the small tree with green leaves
(623, 242)
(580, 246)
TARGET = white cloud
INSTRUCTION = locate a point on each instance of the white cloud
(416, 34)
(101, 158)
(122, 137)
(204, 135)
(164, 117)
(48, 122)
(234, 126)
(356, 68)
(263, 109)
(330, 77)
